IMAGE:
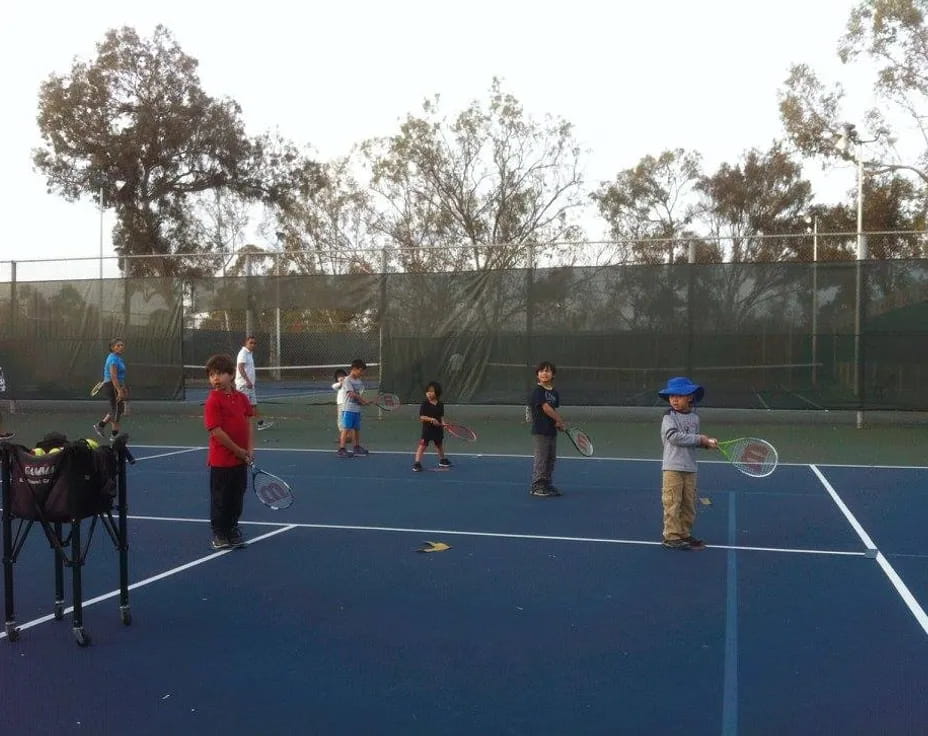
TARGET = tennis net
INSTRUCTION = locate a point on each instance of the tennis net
(283, 383)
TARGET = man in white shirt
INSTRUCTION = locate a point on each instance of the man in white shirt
(245, 377)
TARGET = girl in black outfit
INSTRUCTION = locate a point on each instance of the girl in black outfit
(431, 414)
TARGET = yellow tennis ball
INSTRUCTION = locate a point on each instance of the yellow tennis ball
(92, 444)
(38, 451)
(54, 450)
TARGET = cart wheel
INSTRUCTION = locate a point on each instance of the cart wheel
(124, 615)
(59, 610)
(12, 633)
(81, 637)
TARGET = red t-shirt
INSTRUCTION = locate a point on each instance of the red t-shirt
(230, 412)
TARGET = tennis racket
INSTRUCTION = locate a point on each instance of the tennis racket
(272, 491)
(460, 431)
(581, 440)
(752, 456)
(387, 402)
(96, 388)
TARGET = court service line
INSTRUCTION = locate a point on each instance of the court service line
(148, 581)
(920, 616)
(500, 535)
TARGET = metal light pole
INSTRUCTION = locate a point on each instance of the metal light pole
(861, 257)
(847, 139)
(814, 221)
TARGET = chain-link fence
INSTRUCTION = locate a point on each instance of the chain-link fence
(778, 334)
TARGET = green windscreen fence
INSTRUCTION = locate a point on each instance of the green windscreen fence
(834, 335)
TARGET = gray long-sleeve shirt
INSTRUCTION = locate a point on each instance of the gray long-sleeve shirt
(680, 436)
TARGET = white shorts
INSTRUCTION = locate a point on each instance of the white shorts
(338, 417)
(250, 393)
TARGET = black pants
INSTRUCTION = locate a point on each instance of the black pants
(226, 496)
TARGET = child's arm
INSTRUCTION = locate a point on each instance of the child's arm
(710, 443)
(244, 374)
(429, 420)
(552, 412)
(357, 397)
(240, 452)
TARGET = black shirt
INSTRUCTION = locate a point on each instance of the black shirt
(541, 422)
(435, 411)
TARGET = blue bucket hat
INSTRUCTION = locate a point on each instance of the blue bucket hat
(681, 386)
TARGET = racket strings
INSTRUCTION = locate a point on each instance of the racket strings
(753, 456)
(270, 490)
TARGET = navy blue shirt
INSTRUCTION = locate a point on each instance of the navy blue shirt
(541, 422)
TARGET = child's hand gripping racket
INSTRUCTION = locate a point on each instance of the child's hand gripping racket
(460, 431)
(581, 440)
(272, 491)
(752, 456)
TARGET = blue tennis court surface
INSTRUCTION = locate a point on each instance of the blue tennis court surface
(546, 616)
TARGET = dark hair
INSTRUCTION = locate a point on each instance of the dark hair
(436, 386)
(358, 363)
(220, 364)
(114, 341)
(340, 373)
(250, 337)
(546, 364)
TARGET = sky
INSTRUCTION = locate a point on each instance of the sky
(634, 78)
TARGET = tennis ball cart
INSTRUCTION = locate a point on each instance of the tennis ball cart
(58, 489)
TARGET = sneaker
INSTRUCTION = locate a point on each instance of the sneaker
(676, 544)
(555, 491)
(262, 425)
(236, 538)
(695, 543)
(221, 542)
(544, 492)
(445, 462)
(360, 451)
(417, 467)
(342, 452)
(98, 428)
(7, 436)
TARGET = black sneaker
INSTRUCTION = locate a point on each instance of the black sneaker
(695, 543)
(544, 492)
(360, 451)
(676, 544)
(417, 467)
(221, 542)
(555, 491)
(262, 425)
(236, 538)
(445, 462)
(342, 452)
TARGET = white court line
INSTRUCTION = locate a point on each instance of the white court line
(169, 454)
(500, 535)
(894, 578)
(319, 451)
(147, 581)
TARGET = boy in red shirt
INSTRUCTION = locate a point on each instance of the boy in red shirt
(226, 416)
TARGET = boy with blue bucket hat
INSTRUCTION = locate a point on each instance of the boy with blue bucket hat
(680, 437)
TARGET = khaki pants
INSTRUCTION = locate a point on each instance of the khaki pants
(678, 494)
